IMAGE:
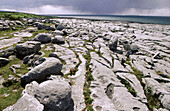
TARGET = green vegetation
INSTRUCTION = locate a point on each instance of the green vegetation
(47, 52)
(89, 78)
(128, 61)
(90, 108)
(13, 94)
(153, 101)
(128, 86)
(12, 89)
(5, 71)
(99, 53)
(138, 74)
(18, 15)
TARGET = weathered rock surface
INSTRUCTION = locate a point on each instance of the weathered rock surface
(111, 66)
(77, 88)
(33, 60)
(8, 42)
(57, 32)
(26, 103)
(28, 48)
(8, 52)
(60, 27)
(42, 71)
(58, 40)
(113, 44)
(41, 26)
(68, 56)
(55, 95)
(43, 38)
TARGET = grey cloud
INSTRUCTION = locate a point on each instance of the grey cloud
(94, 6)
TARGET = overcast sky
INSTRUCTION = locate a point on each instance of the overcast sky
(120, 7)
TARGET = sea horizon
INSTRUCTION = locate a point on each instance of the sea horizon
(162, 20)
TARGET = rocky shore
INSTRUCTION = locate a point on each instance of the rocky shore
(84, 65)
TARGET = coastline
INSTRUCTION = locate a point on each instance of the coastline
(121, 18)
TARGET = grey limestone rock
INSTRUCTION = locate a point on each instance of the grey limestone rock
(28, 48)
(165, 100)
(60, 27)
(113, 44)
(41, 26)
(55, 95)
(8, 52)
(58, 40)
(42, 71)
(50, 28)
(57, 32)
(134, 48)
(43, 38)
(26, 103)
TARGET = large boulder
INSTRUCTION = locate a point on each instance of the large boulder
(55, 95)
(3, 61)
(28, 48)
(43, 38)
(58, 40)
(113, 44)
(41, 26)
(26, 103)
(42, 71)
(59, 27)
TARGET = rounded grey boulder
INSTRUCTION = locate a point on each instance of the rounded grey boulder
(43, 38)
(60, 27)
(55, 95)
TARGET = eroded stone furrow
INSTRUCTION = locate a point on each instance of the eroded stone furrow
(98, 65)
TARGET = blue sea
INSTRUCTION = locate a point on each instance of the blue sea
(163, 20)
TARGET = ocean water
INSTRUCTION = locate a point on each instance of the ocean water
(164, 20)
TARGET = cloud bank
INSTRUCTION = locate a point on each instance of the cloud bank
(123, 7)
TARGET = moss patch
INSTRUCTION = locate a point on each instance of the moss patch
(89, 78)
(128, 86)
(153, 101)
